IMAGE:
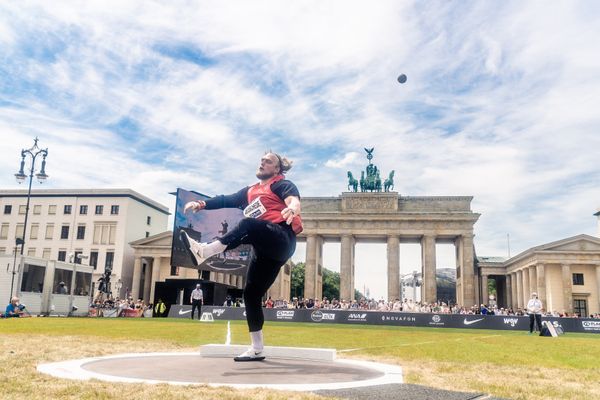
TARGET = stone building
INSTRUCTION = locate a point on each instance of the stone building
(565, 274)
(390, 218)
(96, 223)
(152, 263)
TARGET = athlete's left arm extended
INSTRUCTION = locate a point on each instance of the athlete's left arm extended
(293, 208)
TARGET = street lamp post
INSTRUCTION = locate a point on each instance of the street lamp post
(41, 176)
(18, 242)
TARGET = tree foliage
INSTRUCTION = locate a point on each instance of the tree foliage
(297, 280)
(331, 282)
(491, 286)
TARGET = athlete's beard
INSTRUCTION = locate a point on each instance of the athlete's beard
(264, 175)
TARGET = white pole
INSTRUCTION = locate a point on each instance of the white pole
(228, 338)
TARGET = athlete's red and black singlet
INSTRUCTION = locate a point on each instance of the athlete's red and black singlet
(264, 204)
(266, 231)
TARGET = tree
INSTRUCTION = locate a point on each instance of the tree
(358, 295)
(297, 280)
(491, 286)
(331, 284)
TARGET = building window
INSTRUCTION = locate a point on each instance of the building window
(147, 233)
(33, 278)
(46, 253)
(22, 209)
(37, 209)
(76, 259)
(31, 252)
(580, 307)
(64, 232)
(19, 231)
(62, 255)
(99, 210)
(82, 283)
(110, 256)
(94, 259)
(114, 210)
(148, 220)
(49, 231)
(81, 232)
(3, 250)
(7, 209)
(62, 281)
(578, 279)
(34, 231)
(67, 209)
(4, 232)
(174, 270)
(52, 210)
(83, 210)
(105, 233)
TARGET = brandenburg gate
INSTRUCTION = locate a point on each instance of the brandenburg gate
(387, 217)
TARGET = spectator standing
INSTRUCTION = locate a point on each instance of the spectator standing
(159, 308)
(269, 303)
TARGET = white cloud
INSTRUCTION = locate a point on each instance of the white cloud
(346, 160)
(507, 115)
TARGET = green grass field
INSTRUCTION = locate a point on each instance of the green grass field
(503, 363)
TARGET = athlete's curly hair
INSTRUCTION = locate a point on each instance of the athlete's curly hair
(284, 164)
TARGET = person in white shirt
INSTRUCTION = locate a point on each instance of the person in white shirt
(534, 309)
(196, 298)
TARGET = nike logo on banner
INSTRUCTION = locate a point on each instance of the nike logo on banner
(471, 322)
(181, 312)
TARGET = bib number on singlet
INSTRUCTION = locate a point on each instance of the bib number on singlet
(255, 209)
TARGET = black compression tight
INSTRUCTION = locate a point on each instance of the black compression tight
(273, 245)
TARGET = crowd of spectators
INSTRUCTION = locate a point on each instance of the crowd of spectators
(406, 305)
(123, 307)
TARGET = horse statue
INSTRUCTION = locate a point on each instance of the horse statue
(389, 182)
(377, 182)
(352, 183)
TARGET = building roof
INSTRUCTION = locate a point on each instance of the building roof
(491, 259)
(552, 246)
(152, 239)
(88, 193)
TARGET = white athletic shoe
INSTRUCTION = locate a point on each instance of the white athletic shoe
(250, 355)
(194, 248)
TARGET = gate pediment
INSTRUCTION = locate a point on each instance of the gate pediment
(576, 243)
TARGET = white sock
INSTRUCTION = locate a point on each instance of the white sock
(213, 248)
(257, 340)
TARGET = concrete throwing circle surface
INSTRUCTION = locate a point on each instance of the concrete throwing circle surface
(191, 369)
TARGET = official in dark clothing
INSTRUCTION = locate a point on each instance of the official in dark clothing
(197, 298)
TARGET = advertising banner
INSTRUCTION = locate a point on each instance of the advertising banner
(496, 322)
(206, 226)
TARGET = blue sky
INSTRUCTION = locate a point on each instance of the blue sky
(501, 102)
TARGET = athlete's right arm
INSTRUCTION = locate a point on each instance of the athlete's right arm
(235, 200)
